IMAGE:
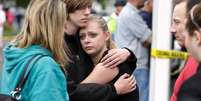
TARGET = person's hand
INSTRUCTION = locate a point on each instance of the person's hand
(115, 57)
(101, 74)
(125, 84)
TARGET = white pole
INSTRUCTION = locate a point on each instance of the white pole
(160, 68)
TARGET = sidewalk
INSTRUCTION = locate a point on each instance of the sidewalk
(1, 60)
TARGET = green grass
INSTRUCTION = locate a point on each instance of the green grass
(8, 38)
(9, 32)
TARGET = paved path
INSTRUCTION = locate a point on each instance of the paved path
(1, 60)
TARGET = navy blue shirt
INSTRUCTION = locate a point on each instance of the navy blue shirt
(147, 17)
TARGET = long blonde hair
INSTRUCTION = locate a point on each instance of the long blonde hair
(44, 25)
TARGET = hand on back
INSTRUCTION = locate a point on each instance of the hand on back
(115, 57)
(101, 74)
(125, 84)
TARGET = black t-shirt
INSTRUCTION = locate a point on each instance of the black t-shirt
(191, 88)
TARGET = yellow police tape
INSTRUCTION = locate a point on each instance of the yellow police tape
(169, 54)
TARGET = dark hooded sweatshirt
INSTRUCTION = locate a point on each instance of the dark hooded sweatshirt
(80, 67)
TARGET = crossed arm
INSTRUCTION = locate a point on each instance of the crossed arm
(91, 89)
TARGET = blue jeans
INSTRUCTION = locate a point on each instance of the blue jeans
(142, 78)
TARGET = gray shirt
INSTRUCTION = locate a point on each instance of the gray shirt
(132, 31)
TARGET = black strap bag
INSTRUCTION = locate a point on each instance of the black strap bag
(15, 94)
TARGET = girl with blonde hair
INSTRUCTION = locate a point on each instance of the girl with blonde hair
(96, 41)
(78, 15)
(41, 36)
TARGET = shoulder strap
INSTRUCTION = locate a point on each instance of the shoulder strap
(24, 77)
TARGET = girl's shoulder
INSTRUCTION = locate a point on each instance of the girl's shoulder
(46, 64)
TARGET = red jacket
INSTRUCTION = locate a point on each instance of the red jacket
(190, 69)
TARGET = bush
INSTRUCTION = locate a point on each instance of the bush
(9, 30)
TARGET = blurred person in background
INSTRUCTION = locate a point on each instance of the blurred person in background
(134, 34)
(179, 19)
(146, 12)
(112, 21)
(2, 21)
(9, 16)
(19, 16)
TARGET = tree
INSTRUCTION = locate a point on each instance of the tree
(103, 3)
(22, 3)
